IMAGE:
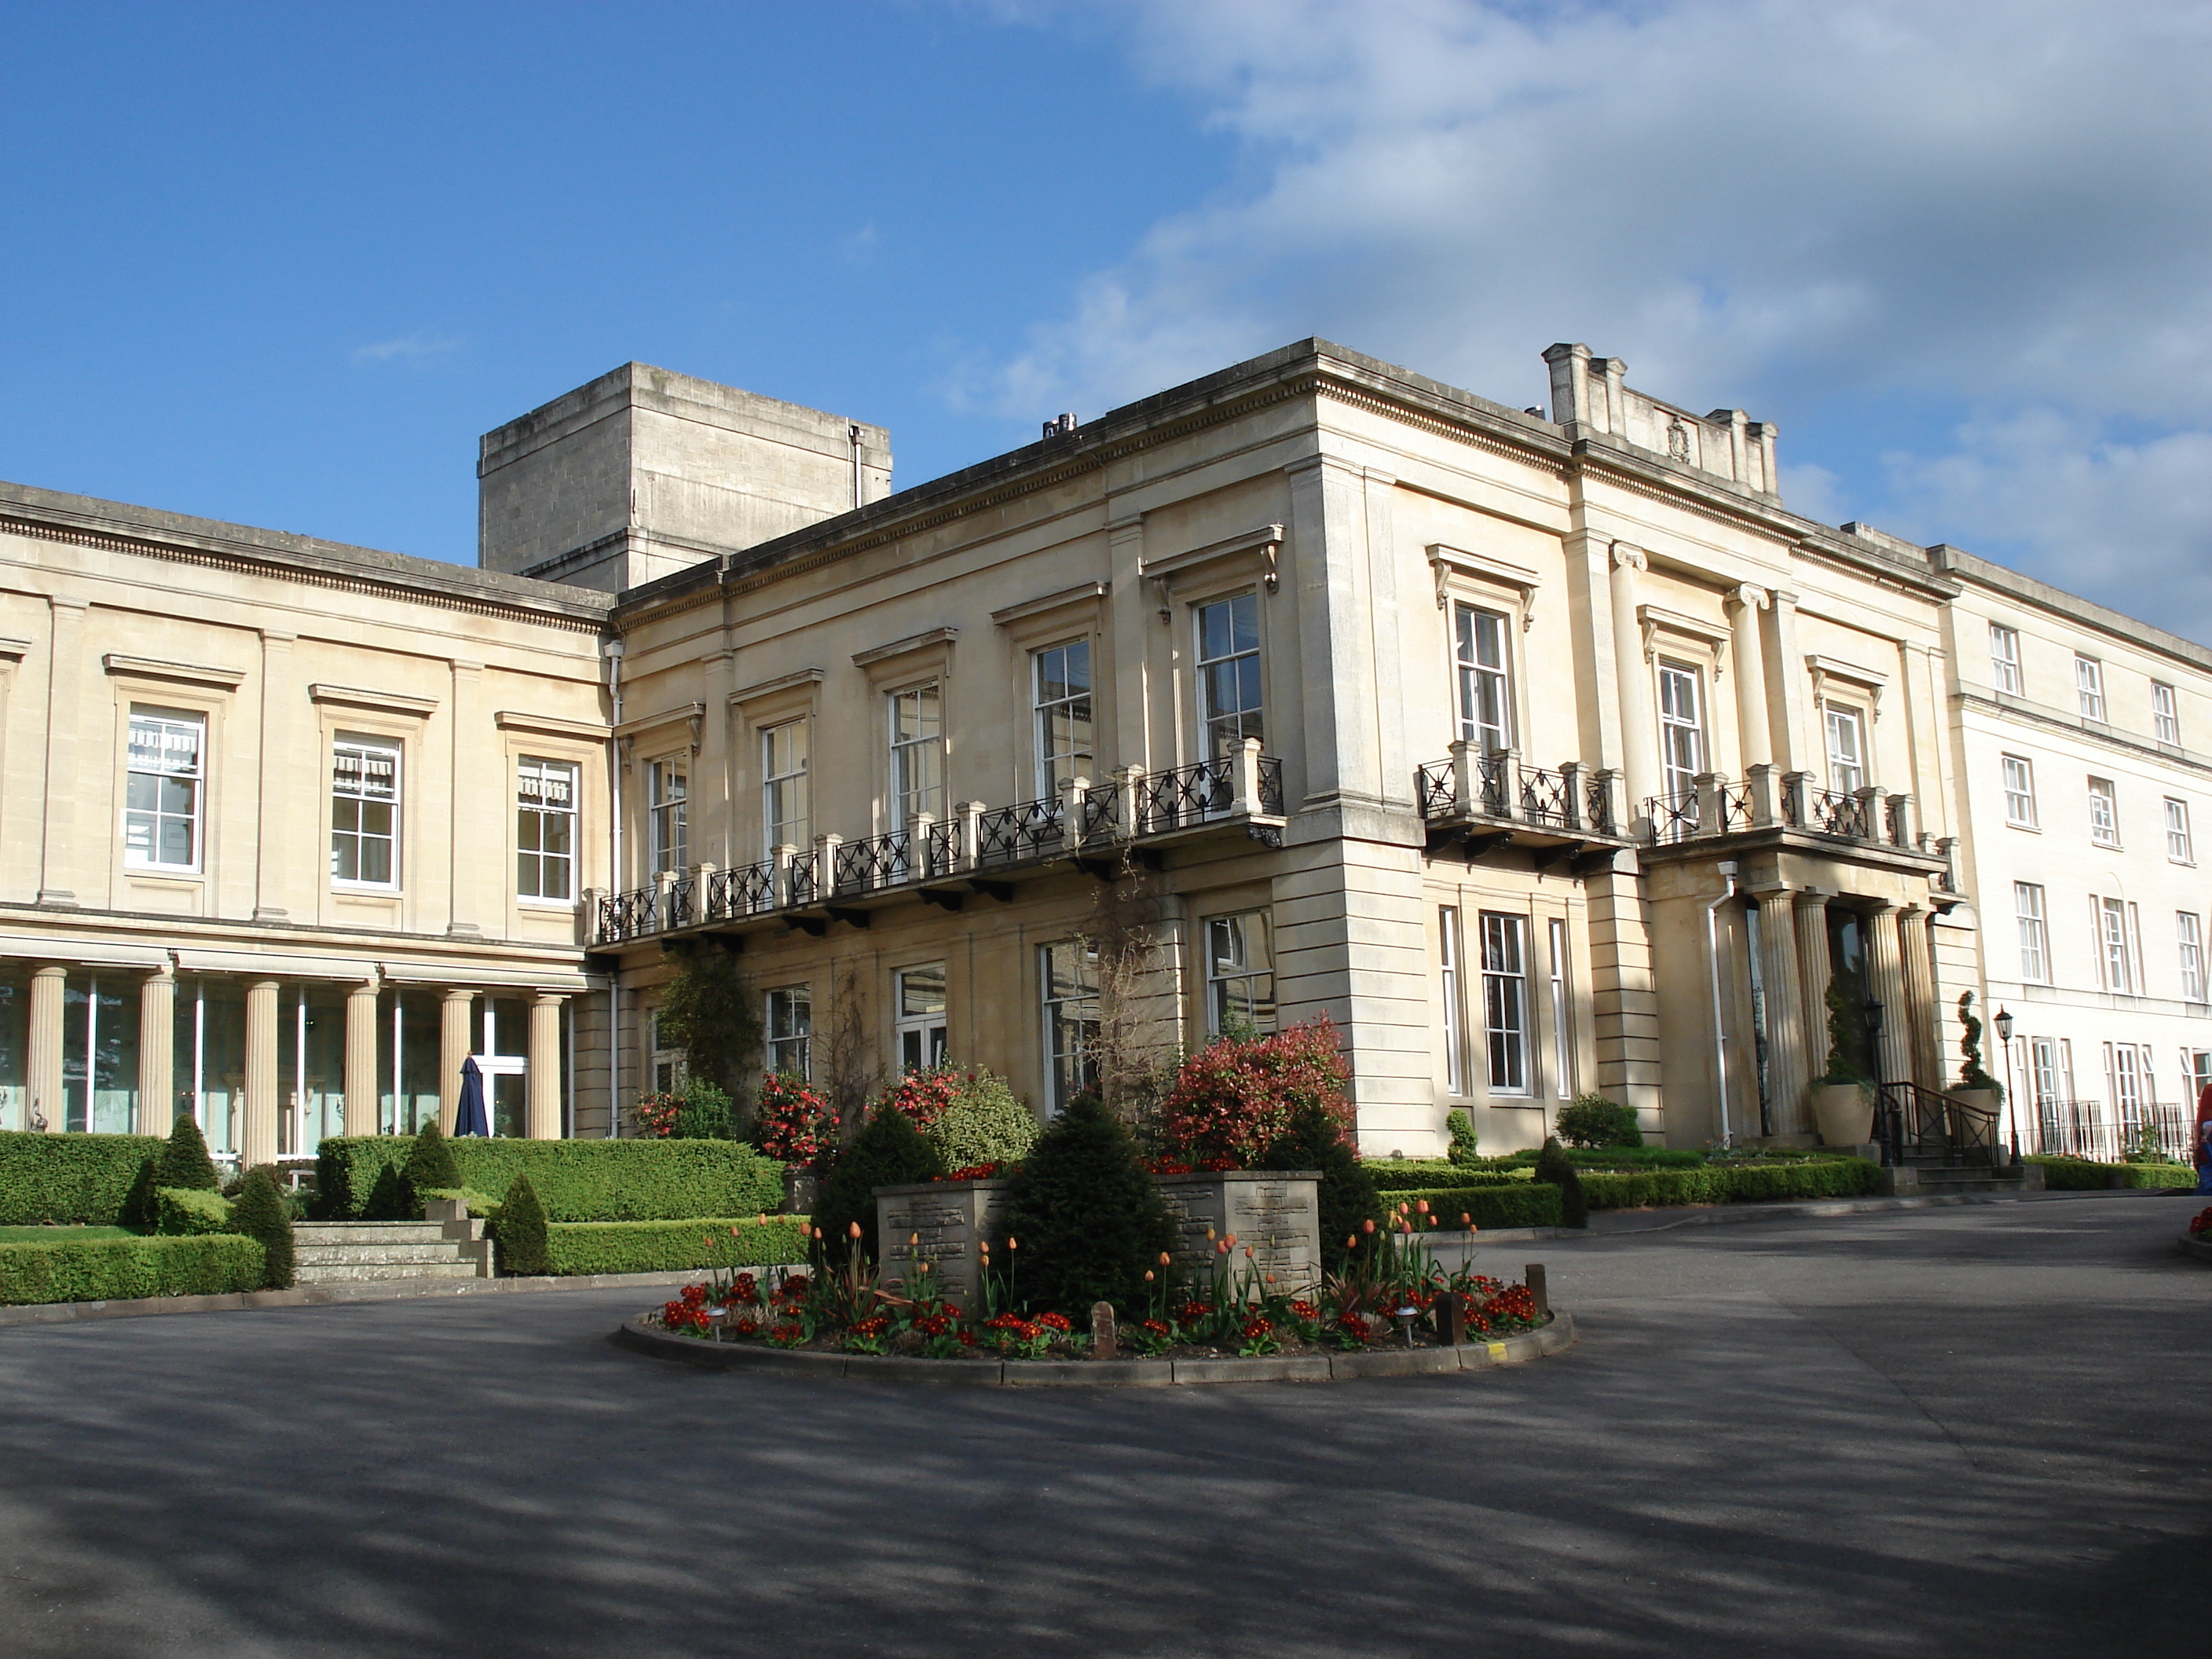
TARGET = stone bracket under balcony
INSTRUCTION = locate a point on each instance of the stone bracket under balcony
(1719, 818)
(1479, 801)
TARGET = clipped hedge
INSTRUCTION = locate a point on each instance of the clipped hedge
(181, 1212)
(1405, 1175)
(1521, 1203)
(2078, 1175)
(1842, 1178)
(576, 1180)
(125, 1269)
(70, 1179)
(1621, 1157)
(651, 1247)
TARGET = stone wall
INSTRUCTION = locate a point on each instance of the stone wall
(1276, 1214)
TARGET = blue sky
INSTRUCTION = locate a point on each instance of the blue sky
(283, 264)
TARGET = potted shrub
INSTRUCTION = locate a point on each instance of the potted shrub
(1976, 1087)
(1842, 1096)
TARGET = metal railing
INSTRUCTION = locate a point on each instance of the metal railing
(1912, 1122)
(1474, 784)
(1016, 834)
(1831, 813)
(741, 890)
(859, 866)
(1673, 817)
(2088, 1128)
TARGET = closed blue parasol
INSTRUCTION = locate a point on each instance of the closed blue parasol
(469, 1119)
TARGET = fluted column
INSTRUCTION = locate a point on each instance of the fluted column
(542, 1112)
(47, 983)
(1813, 972)
(1885, 978)
(157, 1038)
(1924, 1047)
(360, 1032)
(1786, 1034)
(1754, 732)
(453, 1049)
(257, 1142)
(1638, 739)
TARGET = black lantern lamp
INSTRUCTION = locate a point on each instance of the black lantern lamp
(2003, 1023)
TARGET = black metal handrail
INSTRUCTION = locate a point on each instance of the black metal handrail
(741, 890)
(1736, 805)
(940, 849)
(805, 877)
(1832, 812)
(1185, 796)
(1548, 799)
(629, 915)
(1913, 1121)
(1102, 810)
(884, 861)
(1502, 788)
(1673, 817)
(1271, 785)
(1433, 787)
(681, 891)
(1010, 835)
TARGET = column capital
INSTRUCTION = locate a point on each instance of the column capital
(1751, 596)
(1628, 556)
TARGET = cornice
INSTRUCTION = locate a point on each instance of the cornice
(2019, 712)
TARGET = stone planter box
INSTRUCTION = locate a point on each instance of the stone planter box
(1276, 1211)
(951, 1218)
(1842, 1113)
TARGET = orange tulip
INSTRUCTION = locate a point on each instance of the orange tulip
(853, 1231)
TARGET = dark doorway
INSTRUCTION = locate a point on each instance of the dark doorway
(1847, 964)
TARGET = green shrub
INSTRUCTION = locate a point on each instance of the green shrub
(1347, 1196)
(184, 1162)
(70, 1179)
(262, 1215)
(704, 1116)
(1555, 1168)
(1840, 1177)
(1516, 1204)
(576, 1180)
(1617, 1157)
(519, 1232)
(983, 1123)
(181, 1211)
(889, 1151)
(1466, 1146)
(2075, 1175)
(126, 1269)
(1394, 1174)
(429, 1165)
(572, 1248)
(1593, 1120)
(1087, 1219)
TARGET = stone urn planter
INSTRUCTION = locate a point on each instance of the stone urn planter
(1843, 1112)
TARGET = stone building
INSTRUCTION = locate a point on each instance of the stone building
(1545, 755)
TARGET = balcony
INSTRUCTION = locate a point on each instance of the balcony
(1482, 800)
(978, 850)
(1770, 803)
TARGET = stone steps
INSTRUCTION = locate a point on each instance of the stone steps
(368, 1232)
(335, 1252)
(330, 1273)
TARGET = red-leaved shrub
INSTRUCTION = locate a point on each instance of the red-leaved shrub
(794, 1125)
(922, 1096)
(1232, 1100)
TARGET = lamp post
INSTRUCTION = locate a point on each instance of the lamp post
(2003, 1023)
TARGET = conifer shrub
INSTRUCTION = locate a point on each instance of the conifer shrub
(983, 1123)
(183, 1161)
(429, 1165)
(141, 1204)
(889, 1151)
(1466, 1146)
(1347, 1195)
(1593, 1120)
(262, 1215)
(519, 1234)
(1087, 1219)
(1555, 1169)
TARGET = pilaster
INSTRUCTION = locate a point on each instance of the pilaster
(61, 847)
(1755, 733)
(278, 803)
(1638, 736)
(1336, 664)
(1788, 1032)
(258, 1141)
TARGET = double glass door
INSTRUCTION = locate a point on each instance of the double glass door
(499, 1028)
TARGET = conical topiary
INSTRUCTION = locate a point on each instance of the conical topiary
(1087, 1217)
(141, 1204)
(1555, 1167)
(430, 1166)
(260, 1213)
(520, 1231)
(185, 1161)
(1347, 1197)
(889, 1151)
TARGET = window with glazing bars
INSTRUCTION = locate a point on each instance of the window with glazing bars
(1067, 974)
(2104, 812)
(671, 786)
(2179, 846)
(162, 806)
(1240, 978)
(2004, 659)
(1229, 674)
(917, 736)
(365, 813)
(784, 808)
(2089, 688)
(2189, 938)
(1486, 705)
(1060, 683)
(545, 829)
(2019, 793)
(2165, 714)
(788, 1030)
(1505, 999)
(2034, 934)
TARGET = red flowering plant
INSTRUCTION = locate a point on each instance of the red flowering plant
(1235, 1098)
(923, 1095)
(792, 1123)
(972, 1172)
(2201, 1225)
(656, 1114)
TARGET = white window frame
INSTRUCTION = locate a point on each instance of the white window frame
(2028, 909)
(2043, 1072)
(917, 762)
(1061, 754)
(2115, 954)
(1681, 740)
(2165, 714)
(2018, 773)
(2104, 824)
(664, 1064)
(361, 795)
(1563, 1052)
(2180, 848)
(1505, 1007)
(2126, 1067)
(1450, 974)
(787, 1030)
(1068, 1002)
(166, 769)
(1482, 668)
(1240, 969)
(668, 783)
(2004, 659)
(1222, 728)
(2089, 687)
(2189, 944)
(545, 772)
(918, 1034)
(786, 752)
(1847, 772)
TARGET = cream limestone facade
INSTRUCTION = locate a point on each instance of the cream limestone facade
(1543, 755)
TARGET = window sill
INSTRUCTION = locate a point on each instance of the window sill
(164, 872)
(364, 889)
(568, 907)
(2025, 829)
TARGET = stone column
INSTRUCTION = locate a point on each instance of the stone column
(1753, 732)
(1814, 971)
(47, 981)
(453, 1049)
(1786, 1072)
(1639, 739)
(257, 1143)
(360, 1060)
(1925, 1044)
(157, 1037)
(543, 1111)
(1886, 979)
(60, 850)
(280, 802)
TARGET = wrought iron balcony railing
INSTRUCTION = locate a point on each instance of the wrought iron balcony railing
(1571, 800)
(1767, 799)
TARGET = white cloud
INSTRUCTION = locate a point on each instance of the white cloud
(407, 348)
(1989, 204)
